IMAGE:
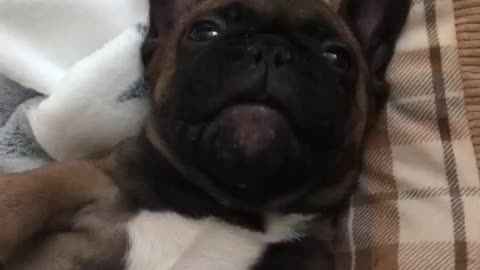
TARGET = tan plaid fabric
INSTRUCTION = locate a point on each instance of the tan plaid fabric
(467, 13)
(418, 204)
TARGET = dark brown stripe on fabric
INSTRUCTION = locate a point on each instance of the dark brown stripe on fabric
(446, 135)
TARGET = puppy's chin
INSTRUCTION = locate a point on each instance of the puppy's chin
(251, 149)
(252, 131)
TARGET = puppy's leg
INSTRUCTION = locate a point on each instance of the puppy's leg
(101, 248)
(47, 200)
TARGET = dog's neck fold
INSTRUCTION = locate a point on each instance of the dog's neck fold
(195, 176)
(204, 183)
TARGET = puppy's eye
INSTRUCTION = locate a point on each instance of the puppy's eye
(205, 31)
(338, 55)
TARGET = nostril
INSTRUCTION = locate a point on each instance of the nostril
(256, 54)
(282, 57)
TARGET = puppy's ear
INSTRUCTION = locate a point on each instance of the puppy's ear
(164, 15)
(377, 24)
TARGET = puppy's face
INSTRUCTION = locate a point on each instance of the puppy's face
(267, 100)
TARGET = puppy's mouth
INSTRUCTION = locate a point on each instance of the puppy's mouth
(250, 129)
(246, 145)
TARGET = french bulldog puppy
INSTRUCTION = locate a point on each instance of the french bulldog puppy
(260, 110)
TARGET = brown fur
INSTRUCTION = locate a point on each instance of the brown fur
(73, 197)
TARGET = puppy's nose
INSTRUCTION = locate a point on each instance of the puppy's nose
(271, 50)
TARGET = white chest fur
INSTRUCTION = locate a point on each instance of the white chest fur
(168, 241)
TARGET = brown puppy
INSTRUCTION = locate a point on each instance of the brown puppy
(260, 112)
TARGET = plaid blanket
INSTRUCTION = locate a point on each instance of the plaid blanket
(418, 204)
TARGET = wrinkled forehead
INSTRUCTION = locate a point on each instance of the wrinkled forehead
(289, 11)
(293, 12)
(295, 9)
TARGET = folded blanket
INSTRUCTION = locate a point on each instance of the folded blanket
(70, 78)
(418, 204)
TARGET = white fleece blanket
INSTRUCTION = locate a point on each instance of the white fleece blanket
(70, 78)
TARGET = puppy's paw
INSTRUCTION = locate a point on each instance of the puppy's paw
(50, 201)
